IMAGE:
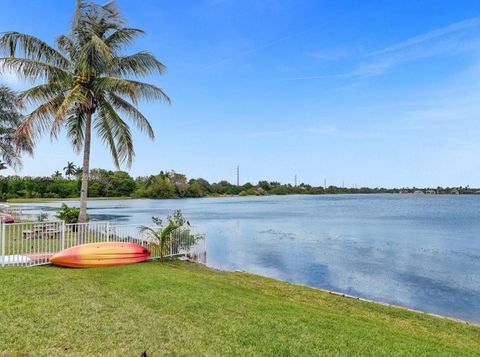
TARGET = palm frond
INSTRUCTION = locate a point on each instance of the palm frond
(8, 153)
(93, 19)
(43, 92)
(39, 120)
(133, 113)
(9, 105)
(132, 89)
(138, 64)
(33, 70)
(74, 124)
(106, 134)
(95, 54)
(77, 97)
(31, 48)
(67, 46)
(115, 133)
(122, 37)
(150, 230)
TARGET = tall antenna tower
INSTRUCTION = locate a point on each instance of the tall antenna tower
(325, 183)
(238, 175)
(295, 180)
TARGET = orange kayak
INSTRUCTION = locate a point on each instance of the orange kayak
(7, 218)
(101, 255)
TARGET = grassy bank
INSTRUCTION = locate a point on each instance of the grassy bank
(33, 200)
(184, 309)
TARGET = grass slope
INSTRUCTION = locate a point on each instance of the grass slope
(183, 309)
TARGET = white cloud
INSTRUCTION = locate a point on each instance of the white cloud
(429, 36)
(454, 38)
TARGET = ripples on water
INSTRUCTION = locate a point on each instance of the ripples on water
(418, 251)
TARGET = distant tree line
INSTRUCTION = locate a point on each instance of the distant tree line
(170, 184)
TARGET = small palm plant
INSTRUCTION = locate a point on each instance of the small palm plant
(164, 234)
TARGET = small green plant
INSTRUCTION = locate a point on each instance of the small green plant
(164, 236)
(68, 214)
(42, 217)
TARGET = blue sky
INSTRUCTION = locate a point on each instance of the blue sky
(378, 93)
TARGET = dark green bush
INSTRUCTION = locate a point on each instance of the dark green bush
(68, 214)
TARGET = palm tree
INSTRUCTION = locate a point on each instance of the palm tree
(87, 84)
(10, 119)
(78, 172)
(70, 169)
(57, 175)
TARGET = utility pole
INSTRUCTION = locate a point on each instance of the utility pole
(238, 175)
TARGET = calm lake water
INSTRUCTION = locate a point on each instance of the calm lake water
(417, 251)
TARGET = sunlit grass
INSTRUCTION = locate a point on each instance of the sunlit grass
(184, 309)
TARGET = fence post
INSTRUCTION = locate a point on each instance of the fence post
(108, 232)
(63, 235)
(2, 238)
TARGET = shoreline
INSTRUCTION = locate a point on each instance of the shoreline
(353, 297)
(310, 321)
(126, 198)
(35, 200)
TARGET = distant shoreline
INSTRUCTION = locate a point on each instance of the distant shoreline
(125, 198)
(34, 200)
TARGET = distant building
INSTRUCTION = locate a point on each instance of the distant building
(430, 192)
(455, 191)
(419, 192)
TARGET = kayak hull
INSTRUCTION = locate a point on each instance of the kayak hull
(101, 255)
(6, 218)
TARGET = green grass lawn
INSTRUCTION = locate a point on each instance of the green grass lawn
(183, 309)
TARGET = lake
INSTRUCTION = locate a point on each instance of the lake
(419, 251)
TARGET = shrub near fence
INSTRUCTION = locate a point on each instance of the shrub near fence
(33, 243)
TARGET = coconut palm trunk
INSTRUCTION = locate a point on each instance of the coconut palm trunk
(82, 217)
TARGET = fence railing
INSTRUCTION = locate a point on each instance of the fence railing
(33, 243)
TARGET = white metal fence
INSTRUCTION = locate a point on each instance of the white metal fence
(33, 243)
